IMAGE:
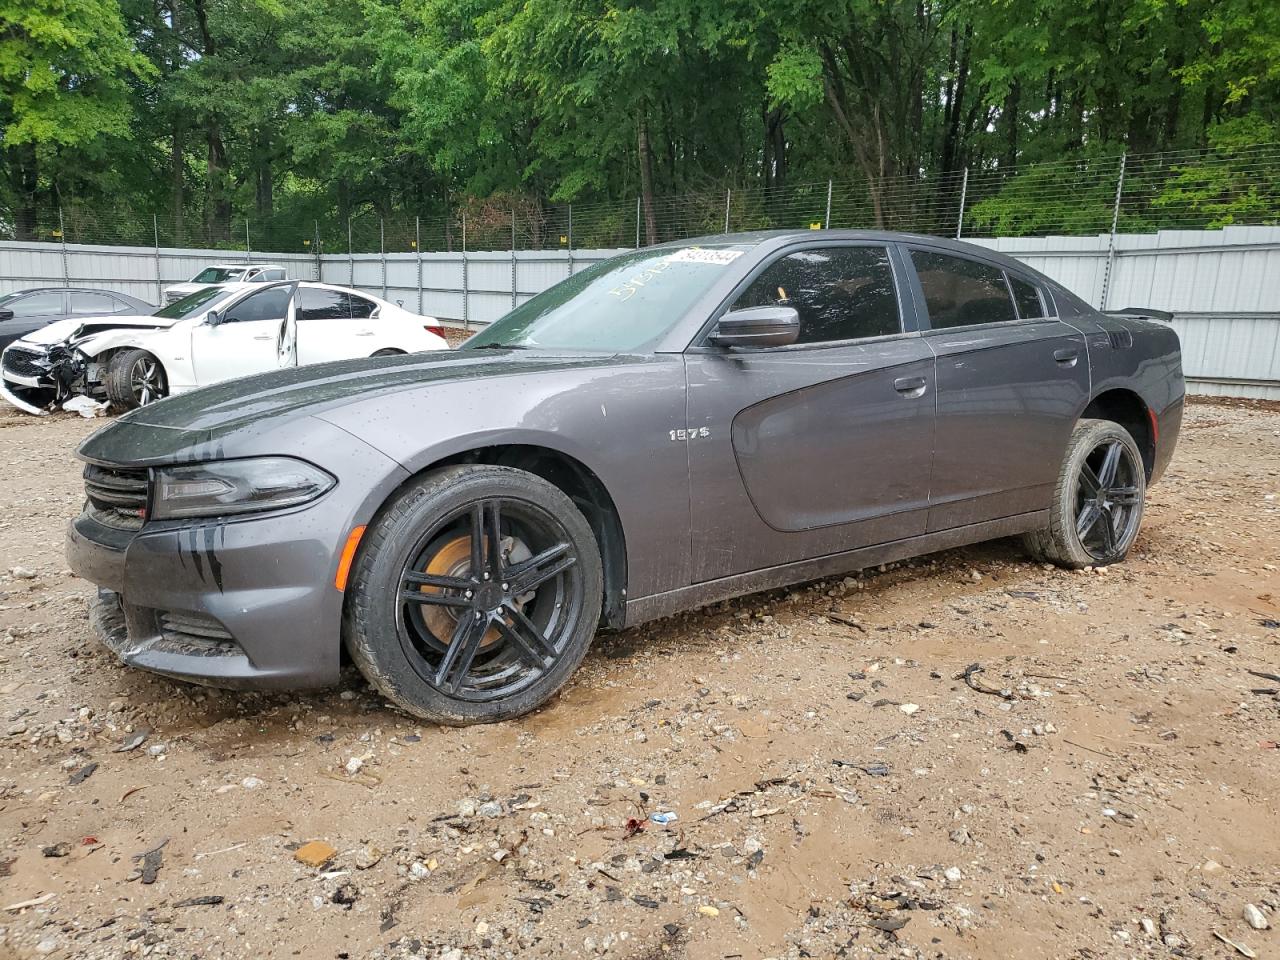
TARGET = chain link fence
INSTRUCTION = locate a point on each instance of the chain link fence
(1194, 189)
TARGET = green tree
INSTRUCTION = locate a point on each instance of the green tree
(65, 67)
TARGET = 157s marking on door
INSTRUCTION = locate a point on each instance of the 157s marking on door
(685, 436)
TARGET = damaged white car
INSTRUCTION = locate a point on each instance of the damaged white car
(215, 334)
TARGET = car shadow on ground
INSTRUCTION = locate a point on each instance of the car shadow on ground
(186, 709)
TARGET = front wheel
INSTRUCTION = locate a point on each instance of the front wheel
(134, 378)
(1097, 501)
(474, 596)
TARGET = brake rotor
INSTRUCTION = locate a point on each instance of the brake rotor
(453, 559)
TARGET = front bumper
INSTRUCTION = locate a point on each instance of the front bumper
(14, 400)
(248, 604)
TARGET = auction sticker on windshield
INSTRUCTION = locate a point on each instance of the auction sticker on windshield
(702, 255)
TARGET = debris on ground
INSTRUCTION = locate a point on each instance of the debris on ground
(134, 740)
(315, 853)
(150, 862)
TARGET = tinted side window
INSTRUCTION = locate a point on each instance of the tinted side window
(267, 305)
(37, 305)
(92, 303)
(273, 275)
(361, 309)
(841, 293)
(316, 304)
(962, 292)
(1027, 297)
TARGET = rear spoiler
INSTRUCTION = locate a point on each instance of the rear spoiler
(1144, 313)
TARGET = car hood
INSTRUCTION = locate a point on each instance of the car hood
(77, 328)
(310, 390)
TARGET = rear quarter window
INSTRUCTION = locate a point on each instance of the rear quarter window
(960, 292)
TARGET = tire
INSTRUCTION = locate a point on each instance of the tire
(1085, 528)
(455, 648)
(387, 352)
(134, 378)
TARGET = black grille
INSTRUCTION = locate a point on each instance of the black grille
(22, 363)
(117, 497)
(195, 634)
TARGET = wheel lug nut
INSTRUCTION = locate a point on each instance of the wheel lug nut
(506, 586)
(468, 595)
(486, 576)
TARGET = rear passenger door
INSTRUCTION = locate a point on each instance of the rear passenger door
(324, 325)
(335, 325)
(1011, 378)
(817, 447)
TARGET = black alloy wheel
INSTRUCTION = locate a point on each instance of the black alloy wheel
(489, 626)
(1108, 499)
(474, 595)
(1098, 498)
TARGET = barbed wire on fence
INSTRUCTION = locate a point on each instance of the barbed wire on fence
(1187, 189)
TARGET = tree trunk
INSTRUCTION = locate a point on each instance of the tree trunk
(25, 177)
(177, 170)
(264, 199)
(775, 148)
(646, 182)
(955, 103)
(218, 216)
(1009, 117)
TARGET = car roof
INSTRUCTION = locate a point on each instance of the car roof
(242, 266)
(25, 290)
(774, 239)
(128, 297)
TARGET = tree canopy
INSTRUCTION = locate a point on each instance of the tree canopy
(301, 117)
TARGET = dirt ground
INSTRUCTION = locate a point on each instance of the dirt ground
(1108, 786)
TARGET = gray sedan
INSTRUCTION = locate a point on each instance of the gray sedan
(669, 428)
(29, 310)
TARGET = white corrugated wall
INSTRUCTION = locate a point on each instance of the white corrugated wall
(1223, 286)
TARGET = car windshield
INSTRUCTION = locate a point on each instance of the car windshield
(9, 296)
(194, 303)
(619, 305)
(217, 275)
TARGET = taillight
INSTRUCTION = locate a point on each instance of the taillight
(438, 331)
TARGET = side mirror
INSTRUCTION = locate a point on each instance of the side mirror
(758, 327)
(6, 314)
(214, 318)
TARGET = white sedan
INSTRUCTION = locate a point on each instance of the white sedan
(215, 334)
(224, 275)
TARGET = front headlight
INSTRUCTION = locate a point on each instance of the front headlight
(230, 487)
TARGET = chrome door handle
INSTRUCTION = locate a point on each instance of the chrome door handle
(1067, 356)
(910, 386)
(265, 336)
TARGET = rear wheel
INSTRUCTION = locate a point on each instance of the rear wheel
(1098, 499)
(134, 378)
(475, 595)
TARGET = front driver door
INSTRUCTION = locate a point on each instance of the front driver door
(821, 446)
(248, 340)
